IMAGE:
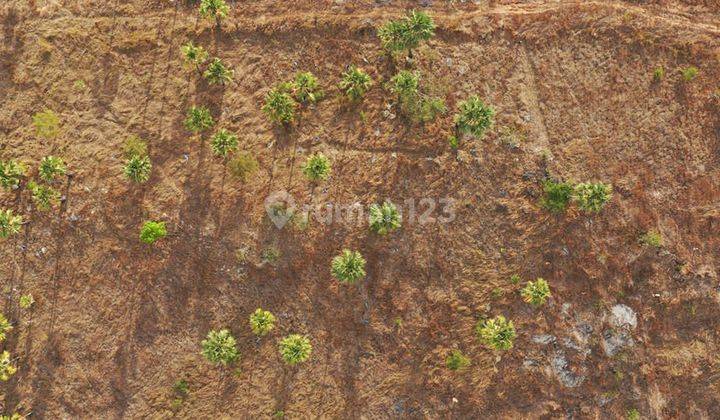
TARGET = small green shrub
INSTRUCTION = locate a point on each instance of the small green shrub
(214, 9)
(138, 168)
(412, 101)
(218, 73)
(5, 327)
(317, 167)
(47, 124)
(11, 172)
(135, 146)
(242, 166)
(26, 301)
(406, 33)
(457, 361)
(355, 83)
(651, 238)
(44, 197)
(430, 108)
(152, 231)
(592, 197)
(632, 414)
(262, 322)
(406, 85)
(198, 119)
(384, 218)
(223, 142)
(306, 88)
(515, 279)
(194, 55)
(7, 370)
(497, 333)
(689, 73)
(220, 347)
(295, 349)
(556, 196)
(348, 267)
(279, 106)
(536, 293)
(270, 255)
(474, 117)
(181, 388)
(50, 167)
(10, 223)
(658, 74)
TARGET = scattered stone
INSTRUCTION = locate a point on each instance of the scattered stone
(585, 330)
(569, 343)
(623, 316)
(544, 339)
(614, 341)
(568, 378)
(529, 363)
(501, 208)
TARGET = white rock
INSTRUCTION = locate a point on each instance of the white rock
(623, 316)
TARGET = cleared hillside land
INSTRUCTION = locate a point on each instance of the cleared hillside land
(590, 91)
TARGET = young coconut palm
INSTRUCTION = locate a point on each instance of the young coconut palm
(295, 348)
(223, 142)
(384, 218)
(10, 223)
(317, 167)
(348, 267)
(355, 83)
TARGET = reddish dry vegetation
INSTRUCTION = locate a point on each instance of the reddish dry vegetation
(117, 322)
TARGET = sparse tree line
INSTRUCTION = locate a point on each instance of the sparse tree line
(220, 347)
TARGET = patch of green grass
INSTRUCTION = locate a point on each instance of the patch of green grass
(658, 74)
(26, 301)
(270, 255)
(242, 166)
(47, 124)
(556, 196)
(689, 73)
(651, 238)
(632, 414)
(152, 231)
(457, 361)
(135, 146)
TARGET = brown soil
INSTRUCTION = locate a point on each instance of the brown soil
(116, 322)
